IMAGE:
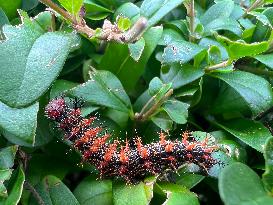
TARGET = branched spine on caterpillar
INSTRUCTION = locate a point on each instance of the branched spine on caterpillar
(130, 162)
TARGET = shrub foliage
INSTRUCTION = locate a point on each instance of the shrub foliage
(141, 67)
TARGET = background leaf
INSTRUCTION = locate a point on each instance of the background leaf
(104, 89)
(238, 184)
(254, 89)
(20, 123)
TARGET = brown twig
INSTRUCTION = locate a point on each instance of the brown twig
(109, 32)
(219, 65)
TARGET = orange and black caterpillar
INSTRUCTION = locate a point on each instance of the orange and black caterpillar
(130, 161)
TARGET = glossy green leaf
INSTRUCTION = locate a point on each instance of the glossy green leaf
(15, 193)
(180, 52)
(53, 191)
(139, 194)
(10, 7)
(239, 49)
(177, 194)
(125, 67)
(221, 9)
(250, 132)
(180, 75)
(177, 110)
(268, 156)
(105, 89)
(92, 191)
(156, 10)
(3, 19)
(95, 11)
(223, 24)
(266, 59)
(73, 6)
(255, 90)
(158, 89)
(137, 48)
(29, 4)
(5, 174)
(238, 184)
(163, 121)
(7, 156)
(129, 10)
(20, 123)
(41, 55)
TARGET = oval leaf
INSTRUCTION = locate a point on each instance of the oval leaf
(238, 184)
(255, 90)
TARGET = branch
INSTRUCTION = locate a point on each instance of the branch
(35, 194)
(219, 65)
(109, 32)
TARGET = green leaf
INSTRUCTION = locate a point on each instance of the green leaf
(163, 121)
(73, 6)
(5, 174)
(123, 23)
(19, 124)
(95, 11)
(137, 48)
(60, 86)
(180, 51)
(180, 75)
(268, 174)
(158, 89)
(250, 132)
(38, 63)
(239, 49)
(38, 167)
(10, 7)
(156, 10)
(7, 156)
(238, 184)
(104, 89)
(123, 66)
(16, 191)
(53, 191)
(223, 24)
(187, 198)
(177, 194)
(129, 10)
(29, 4)
(92, 191)
(221, 9)
(177, 110)
(266, 59)
(3, 20)
(255, 90)
(139, 194)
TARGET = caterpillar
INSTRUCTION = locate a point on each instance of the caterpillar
(130, 161)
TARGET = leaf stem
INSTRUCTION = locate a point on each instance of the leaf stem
(219, 65)
(144, 115)
(35, 194)
(252, 7)
(191, 14)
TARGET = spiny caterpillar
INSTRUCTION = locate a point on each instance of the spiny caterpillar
(130, 161)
